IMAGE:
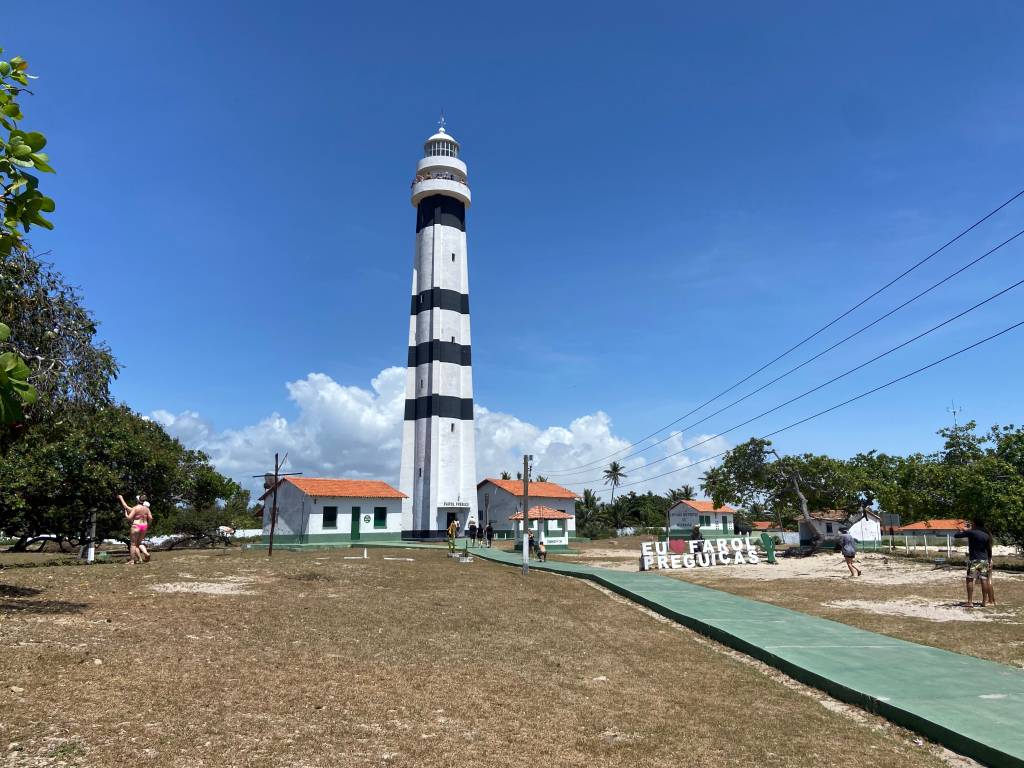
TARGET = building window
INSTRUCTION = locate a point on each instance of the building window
(453, 426)
(421, 471)
(453, 339)
(453, 257)
(330, 517)
(380, 517)
(828, 527)
(705, 519)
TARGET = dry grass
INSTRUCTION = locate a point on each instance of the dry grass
(313, 660)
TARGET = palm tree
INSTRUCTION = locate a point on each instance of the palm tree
(613, 476)
(540, 479)
(686, 492)
(506, 476)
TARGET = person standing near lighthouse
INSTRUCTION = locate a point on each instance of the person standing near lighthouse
(438, 471)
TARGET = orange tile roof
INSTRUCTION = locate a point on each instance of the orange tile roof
(542, 490)
(927, 525)
(763, 525)
(705, 505)
(543, 513)
(329, 487)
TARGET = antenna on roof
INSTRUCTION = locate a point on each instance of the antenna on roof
(442, 122)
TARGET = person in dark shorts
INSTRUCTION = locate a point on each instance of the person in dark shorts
(848, 546)
(979, 562)
(698, 538)
(489, 533)
(471, 532)
(533, 544)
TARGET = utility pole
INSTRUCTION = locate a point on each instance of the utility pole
(278, 474)
(526, 514)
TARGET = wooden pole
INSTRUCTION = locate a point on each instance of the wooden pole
(273, 508)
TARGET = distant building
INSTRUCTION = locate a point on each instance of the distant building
(933, 528)
(766, 526)
(500, 500)
(325, 511)
(548, 525)
(864, 526)
(686, 513)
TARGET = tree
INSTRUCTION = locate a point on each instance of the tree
(590, 521)
(506, 475)
(15, 391)
(614, 476)
(53, 480)
(686, 493)
(20, 151)
(753, 473)
(540, 479)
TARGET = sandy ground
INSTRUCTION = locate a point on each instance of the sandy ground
(876, 568)
(922, 608)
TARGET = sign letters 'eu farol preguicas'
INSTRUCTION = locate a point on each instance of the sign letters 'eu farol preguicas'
(701, 553)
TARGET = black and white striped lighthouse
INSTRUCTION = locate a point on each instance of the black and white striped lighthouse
(438, 473)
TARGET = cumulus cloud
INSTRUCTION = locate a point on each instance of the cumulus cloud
(349, 431)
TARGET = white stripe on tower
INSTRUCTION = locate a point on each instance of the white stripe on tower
(438, 472)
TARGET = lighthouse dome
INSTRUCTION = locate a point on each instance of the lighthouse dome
(441, 144)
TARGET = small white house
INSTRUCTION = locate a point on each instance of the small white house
(323, 511)
(548, 525)
(499, 500)
(686, 513)
(866, 526)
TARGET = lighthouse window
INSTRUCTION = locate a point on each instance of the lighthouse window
(453, 426)
(453, 257)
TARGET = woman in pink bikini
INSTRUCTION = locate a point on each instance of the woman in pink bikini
(141, 518)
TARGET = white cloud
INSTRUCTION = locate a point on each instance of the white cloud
(347, 431)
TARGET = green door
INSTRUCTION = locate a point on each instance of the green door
(355, 524)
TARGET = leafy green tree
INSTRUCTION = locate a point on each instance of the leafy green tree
(15, 391)
(590, 520)
(20, 152)
(506, 475)
(52, 481)
(614, 476)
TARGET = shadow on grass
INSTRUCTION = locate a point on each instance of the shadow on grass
(9, 590)
(36, 606)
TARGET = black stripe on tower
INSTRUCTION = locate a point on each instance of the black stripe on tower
(439, 351)
(445, 406)
(440, 209)
(440, 298)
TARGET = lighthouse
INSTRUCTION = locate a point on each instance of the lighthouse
(438, 473)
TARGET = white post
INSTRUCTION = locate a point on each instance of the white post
(925, 539)
(949, 545)
(526, 515)
(906, 542)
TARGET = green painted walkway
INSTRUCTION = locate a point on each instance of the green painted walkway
(972, 706)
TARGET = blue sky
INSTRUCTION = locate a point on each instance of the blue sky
(663, 199)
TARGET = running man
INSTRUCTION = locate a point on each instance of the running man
(848, 546)
(140, 518)
(979, 562)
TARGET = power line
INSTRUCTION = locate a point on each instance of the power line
(799, 344)
(587, 467)
(828, 410)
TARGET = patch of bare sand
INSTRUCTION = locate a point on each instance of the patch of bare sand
(229, 585)
(920, 608)
(876, 568)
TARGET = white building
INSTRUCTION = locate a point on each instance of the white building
(826, 523)
(324, 511)
(686, 513)
(548, 525)
(500, 500)
(438, 470)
